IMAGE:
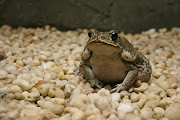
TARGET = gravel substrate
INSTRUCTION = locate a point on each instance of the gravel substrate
(38, 81)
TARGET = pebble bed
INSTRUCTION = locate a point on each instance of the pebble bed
(38, 81)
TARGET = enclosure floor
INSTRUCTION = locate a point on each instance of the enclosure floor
(38, 81)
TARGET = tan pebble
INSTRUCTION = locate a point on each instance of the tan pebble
(173, 80)
(79, 115)
(112, 117)
(22, 83)
(173, 112)
(44, 89)
(48, 114)
(143, 87)
(64, 117)
(115, 97)
(96, 117)
(114, 104)
(142, 101)
(126, 100)
(59, 101)
(171, 92)
(102, 103)
(79, 100)
(91, 109)
(14, 89)
(132, 117)
(57, 109)
(163, 118)
(68, 89)
(10, 96)
(93, 97)
(103, 92)
(51, 92)
(124, 93)
(125, 108)
(146, 113)
(134, 97)
(164, 85)
(163, 94)
(61, 83)
(106, 113)
(174, 86)
(59, 93)
(13, 114)
(19, 96)
(159, 112)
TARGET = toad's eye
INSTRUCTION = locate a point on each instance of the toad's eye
(114, 36)
(90, 34)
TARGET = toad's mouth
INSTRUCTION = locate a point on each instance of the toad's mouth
(103, 47)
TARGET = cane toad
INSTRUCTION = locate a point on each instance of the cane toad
(110, 58)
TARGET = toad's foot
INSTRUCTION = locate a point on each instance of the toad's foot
(118, 88)
(96, 82)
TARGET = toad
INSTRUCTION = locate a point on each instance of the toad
(110, 58)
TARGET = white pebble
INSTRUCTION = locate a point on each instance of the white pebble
(22, 83)
(47, 65)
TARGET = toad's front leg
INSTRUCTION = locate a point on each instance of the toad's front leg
(89, 75)
(128, 82)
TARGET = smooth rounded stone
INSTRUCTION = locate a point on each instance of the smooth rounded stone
(43, 89)
(125, 107)
(57, 109)
(165, 102)
(126, 100)
(67, 116)
(103, 92)
(173, 112)
(43, 57)
(91, 109)
(22, 83)
(79, 115)
(146, 113)
(178, 90)
(26, 76)
(159, 111)
(171, 92)
(174, 86)
(20, 62)
(164, 85)
(142, 101)
(115, 97)
(114, 104)
(10, 96)
(14, 71)
(106, 113)
(79, 100)
(47, 77)
(47, 65)
(143, 87)
(59, 93)
(173, 80)
(61, 83)
(3, 73)
(34, 94)
(132, 117)
(96, 117)
(75, 112)
(9, 67)
(163, 94)
(112, 117)
(68, 89)
(14, 89)
(134, 97)
(13, 114)
(51, 92)
(124, 93)
(19, 96)
(102, 103)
